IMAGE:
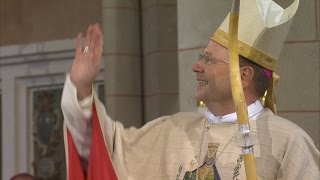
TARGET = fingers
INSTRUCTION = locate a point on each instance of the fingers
(98, 41)
(79, 43)
(94, 43)
(89, 36)
(94, 37)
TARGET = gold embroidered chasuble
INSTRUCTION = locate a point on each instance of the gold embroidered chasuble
(168, 148)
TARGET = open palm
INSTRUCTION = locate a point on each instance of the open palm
(87, 60)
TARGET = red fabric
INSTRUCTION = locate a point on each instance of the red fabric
(74, 163)
(99, 165)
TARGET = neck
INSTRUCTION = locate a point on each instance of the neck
(220, 109)
(226, 107)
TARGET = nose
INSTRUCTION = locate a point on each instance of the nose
(198, 67)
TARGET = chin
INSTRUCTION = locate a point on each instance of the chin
(201, 93)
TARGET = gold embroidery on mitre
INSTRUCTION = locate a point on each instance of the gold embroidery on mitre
(247, 51)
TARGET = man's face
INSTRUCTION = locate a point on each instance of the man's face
(213, 79)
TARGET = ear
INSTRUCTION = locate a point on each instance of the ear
(246, 73)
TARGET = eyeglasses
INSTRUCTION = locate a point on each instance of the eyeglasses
(208, 60)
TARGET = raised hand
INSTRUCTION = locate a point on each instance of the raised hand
(87, 61)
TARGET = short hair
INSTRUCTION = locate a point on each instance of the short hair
(259, 78)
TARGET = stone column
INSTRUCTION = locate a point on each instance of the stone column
(298, 92)
(9, 150)
(122, 60)
(160, 66)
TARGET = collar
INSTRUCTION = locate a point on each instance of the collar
(254, 110)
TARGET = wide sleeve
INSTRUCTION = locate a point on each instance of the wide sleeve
(86, 136)
(99, 163)
(77, 116)
(301, 159)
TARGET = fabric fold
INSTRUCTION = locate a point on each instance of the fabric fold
(99, 164)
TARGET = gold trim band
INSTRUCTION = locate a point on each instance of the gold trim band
(247, 51)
